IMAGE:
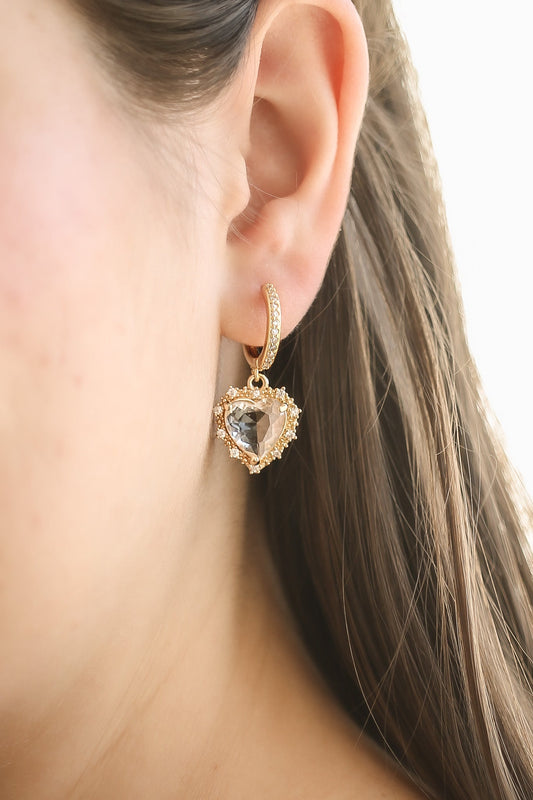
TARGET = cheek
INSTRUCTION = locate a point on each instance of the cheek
(96, 349)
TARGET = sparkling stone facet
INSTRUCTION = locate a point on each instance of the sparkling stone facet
(255, 425)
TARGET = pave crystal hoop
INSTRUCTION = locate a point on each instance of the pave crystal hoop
(257, 422)
(258, 358)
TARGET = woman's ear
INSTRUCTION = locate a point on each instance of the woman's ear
(308, 70)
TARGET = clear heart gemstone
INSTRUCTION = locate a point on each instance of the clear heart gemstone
(255, 425)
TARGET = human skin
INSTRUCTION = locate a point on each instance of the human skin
(146, 649)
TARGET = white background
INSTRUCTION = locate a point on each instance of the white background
(474, 60)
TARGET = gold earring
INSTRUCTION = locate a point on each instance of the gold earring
(257, 422)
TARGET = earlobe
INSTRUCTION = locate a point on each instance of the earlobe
(311, 65)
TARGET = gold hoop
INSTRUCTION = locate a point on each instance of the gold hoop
(263, 358)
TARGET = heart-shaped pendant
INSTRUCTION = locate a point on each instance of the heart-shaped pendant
(256, 423)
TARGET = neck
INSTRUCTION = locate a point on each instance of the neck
(199, 690)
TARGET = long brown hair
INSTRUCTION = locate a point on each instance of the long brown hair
(394, 520)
